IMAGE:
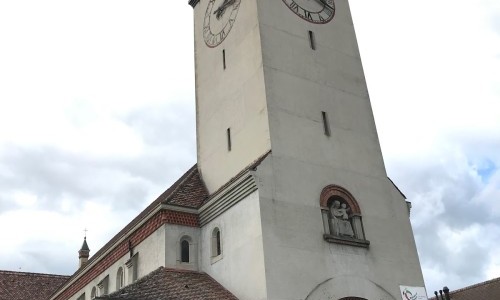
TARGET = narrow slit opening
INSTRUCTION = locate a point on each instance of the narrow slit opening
(224, 59)
(326, 125)
(228, 139)
(312, 41)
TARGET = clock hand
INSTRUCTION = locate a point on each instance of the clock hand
(326, 4)
(219, 12)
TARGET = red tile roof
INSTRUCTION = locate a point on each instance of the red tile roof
(170, 284)
(32, 286)
(190, 193)
(488, 290)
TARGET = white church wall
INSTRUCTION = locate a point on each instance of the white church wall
(293, 233)
(233, 98)
(151, 252)
(240, 267)
(173, 236)
(301, 83)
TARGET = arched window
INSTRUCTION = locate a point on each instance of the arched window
(184, 251)
(120, 278)
(342, 217)
(216, 242)
(93, 293)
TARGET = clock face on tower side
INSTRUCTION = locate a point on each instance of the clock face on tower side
(219, 19)
(314, 11)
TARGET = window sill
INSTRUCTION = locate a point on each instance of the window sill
(346, 241)
(215, 259)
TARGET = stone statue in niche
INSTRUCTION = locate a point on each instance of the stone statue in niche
(340, 218)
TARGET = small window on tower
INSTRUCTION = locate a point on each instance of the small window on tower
(312, 41)
(228, 132)
(224, 59)
(326, 124)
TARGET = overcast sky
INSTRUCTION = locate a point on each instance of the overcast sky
(97, 119)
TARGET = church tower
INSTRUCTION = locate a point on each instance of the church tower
(281, 97)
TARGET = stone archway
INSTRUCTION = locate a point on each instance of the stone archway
(344, 287)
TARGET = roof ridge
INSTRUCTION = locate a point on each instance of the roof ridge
(32, 274)
(475, 285)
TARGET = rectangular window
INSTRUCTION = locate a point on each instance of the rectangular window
(312, 41)
(326, 125)
(228, 139)
(224, 59)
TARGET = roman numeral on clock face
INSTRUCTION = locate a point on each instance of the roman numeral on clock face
(314, 11)
(219, 15)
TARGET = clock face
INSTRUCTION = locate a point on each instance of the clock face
(219, 19)
(314, 11)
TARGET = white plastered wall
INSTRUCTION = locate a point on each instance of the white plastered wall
(173, 236)
(300, 84)
(230, 98)
(240, 267)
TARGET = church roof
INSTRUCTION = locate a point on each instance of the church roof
(189, 193)
(170, 284)
(33, 286)
(487, 290)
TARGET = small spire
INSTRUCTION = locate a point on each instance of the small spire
(85, 247)
(83, 253)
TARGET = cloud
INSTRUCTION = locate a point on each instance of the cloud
(60, 190)
(455, 208)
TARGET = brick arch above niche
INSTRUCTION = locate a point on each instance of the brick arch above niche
(336, 190)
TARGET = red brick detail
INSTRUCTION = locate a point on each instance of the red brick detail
(155, 222)
(180, 218)
(335, 190)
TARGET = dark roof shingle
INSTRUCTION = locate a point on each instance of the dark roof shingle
(170, 284)
(190, 193)
(33, 286)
